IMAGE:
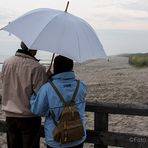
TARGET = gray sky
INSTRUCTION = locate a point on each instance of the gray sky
(122, 25)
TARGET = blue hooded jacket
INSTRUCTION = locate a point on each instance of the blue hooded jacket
(46, 100)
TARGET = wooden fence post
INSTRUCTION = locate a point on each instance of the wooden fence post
(100, 125)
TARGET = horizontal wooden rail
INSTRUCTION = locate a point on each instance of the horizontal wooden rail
(117, 139)
(116, 108)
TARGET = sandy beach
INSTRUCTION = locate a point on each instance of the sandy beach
(112, 81)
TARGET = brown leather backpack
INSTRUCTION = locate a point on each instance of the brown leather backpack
(69, 127)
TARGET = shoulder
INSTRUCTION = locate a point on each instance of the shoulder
(45, 87)
(83, 83)
(10, 59)
(35, 65)
(9, 62)
(83, 87)
(38, 66)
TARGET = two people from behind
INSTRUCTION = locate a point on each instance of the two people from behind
(49, 102)
(21, 76)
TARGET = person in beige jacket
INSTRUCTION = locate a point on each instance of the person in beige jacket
(21, 76)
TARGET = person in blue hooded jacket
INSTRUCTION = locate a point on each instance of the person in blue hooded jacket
(47, 100)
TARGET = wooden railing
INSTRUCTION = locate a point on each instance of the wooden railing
(100, 136)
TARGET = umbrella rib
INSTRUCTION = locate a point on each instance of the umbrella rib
(85, 35)
(78, 42)
(45, 27)
(88, 41)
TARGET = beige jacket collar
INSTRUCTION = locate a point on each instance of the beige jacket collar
(25, 55)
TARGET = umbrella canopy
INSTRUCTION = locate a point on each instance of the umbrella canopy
(58, 32)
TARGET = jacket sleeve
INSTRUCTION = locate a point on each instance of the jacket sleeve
(2, 72)
(39, 77)
(39, 102)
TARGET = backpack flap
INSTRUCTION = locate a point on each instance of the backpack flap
(69, 126)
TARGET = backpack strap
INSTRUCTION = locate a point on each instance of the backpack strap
(53, 117)
(76, 91)
(58, 93)
(61, 97)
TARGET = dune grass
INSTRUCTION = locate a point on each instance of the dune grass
(138, 60)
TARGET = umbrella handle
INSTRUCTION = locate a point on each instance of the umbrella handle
(67, 6)
(49, 70)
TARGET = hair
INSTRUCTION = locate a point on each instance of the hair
(26, 50)
(23, 46)
(62, 64)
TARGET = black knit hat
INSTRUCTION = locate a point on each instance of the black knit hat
(23, 46)
(62, 64)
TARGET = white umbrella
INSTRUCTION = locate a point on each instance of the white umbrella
(58, 32)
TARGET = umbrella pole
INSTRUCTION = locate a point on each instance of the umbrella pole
(49, 69)
(67, 6)
(51, 61)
